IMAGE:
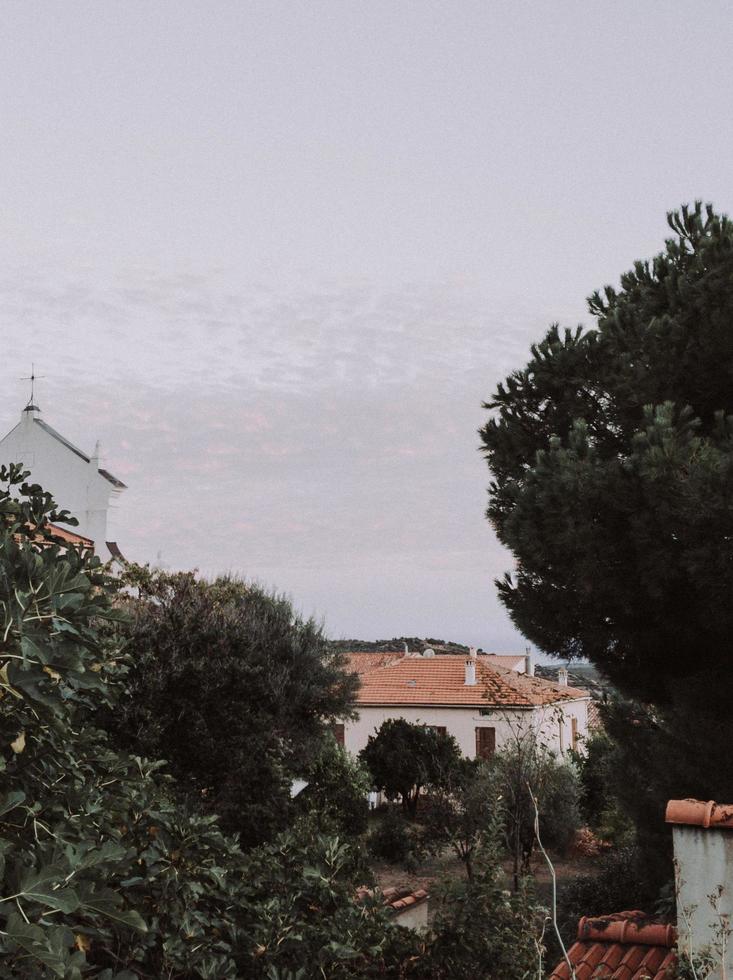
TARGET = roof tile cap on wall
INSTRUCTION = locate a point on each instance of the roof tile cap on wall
(631, 929)
(696, 813)
(396, 899)
(622, 946)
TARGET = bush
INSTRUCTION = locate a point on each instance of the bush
(393, 840)
(527, 773)
(458, 813)
(336, 794)
(616, 886)
(560, 807)
(482, 930)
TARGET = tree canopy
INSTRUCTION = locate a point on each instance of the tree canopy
(230, 686)
(403, 758)
(612, 462)
(612, 457)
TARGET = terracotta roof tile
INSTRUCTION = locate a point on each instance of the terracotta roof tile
(361, 662)
(510, 660)
(441, 680)
(695, 813)
(397, 899)
(625, 946)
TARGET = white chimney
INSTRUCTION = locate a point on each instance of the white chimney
(703, 857)
(562, 677)
(471, 668)
(528, 665)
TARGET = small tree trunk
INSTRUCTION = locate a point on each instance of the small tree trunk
(412, 799)
(516, 854)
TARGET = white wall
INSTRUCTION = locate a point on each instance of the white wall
(76, 485)
(704, 861)
(462, 723)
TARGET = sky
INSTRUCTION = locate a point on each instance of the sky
(275, 255)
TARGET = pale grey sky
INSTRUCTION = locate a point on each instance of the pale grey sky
(275, 254)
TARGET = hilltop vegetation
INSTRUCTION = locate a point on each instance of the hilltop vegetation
(414, 644)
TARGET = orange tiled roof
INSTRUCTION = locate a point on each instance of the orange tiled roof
(441, 681)
(362, 661)
(70, 537)
(625, 946)
(695, 813)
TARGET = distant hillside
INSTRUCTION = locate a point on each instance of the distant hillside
(579, 675)
(415, 644)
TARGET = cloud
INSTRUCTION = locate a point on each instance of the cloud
(271, 430)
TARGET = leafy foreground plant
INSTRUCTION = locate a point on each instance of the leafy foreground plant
(102, 873)
(481, 928)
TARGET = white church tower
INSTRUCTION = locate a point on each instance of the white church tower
(76, 481)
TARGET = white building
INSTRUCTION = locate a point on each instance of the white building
(77, 482)
(482, 704)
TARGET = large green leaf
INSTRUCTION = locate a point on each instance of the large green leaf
(45, 945)
(39, 887)
(109, 904)
(10, 801)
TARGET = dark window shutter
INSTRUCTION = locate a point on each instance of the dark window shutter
(485, 742)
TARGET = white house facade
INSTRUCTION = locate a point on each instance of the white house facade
(77, 481)
(481, 704)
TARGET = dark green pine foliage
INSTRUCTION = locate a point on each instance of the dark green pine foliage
(612, 459)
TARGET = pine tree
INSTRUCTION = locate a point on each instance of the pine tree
(612, 459)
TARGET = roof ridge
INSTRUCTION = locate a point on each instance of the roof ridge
(75, 449)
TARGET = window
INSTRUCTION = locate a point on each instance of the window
(338, 733)
(485, 742)
(438, 729)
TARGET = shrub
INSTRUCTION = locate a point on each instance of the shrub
(616, 886)
(528, 773)
(459, 812)
(392, 839)
(482, 930)
(336, 794)
(560, 809)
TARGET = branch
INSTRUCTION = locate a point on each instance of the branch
(554, 882)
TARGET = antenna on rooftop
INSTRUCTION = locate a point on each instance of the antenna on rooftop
(32, 378)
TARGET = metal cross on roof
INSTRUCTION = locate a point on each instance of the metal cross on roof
(32, 378)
